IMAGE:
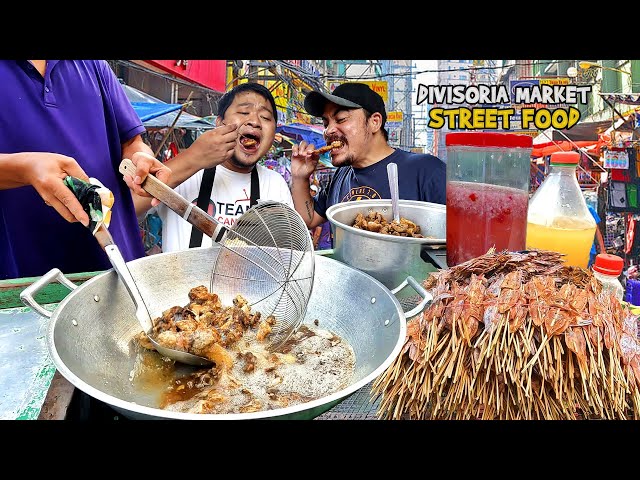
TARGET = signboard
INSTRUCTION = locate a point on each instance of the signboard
(531, 82)
(289, 102)
(520, 84)
(395, 116)
(209, 73)
(531, 133)
(280, 93)
(382, 88)
(556, 81)
(394, 119)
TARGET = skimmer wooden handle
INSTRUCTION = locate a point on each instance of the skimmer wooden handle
(176, 202)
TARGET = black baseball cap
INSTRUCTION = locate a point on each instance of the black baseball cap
(350, 95)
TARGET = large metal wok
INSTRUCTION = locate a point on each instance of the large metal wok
(90, 336)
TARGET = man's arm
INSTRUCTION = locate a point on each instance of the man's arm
(304, 204)
(45, 172)
(209, 149)
(316, 236)
(600, 240)
(303, 163)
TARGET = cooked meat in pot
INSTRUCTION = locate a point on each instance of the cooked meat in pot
(375, 222)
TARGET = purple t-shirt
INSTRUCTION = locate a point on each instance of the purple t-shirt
(78, 109)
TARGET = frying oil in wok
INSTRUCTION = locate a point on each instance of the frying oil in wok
(153, 374)
(314, 363)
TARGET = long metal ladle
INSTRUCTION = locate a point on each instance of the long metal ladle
(105, 240)
(392, 173)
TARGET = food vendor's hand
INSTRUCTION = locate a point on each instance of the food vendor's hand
(46, 172)
(213, 147)
(303, 160)
(146, 164)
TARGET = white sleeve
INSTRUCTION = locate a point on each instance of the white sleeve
(285, 192)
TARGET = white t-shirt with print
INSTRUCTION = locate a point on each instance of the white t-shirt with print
(230, 198)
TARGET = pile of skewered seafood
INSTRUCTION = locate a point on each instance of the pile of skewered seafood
(375, 222)
(515, 336)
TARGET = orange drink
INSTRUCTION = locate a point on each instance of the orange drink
(571, 236)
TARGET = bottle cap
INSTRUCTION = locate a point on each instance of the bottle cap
(608, 264)
(490, 139)
(565, 158)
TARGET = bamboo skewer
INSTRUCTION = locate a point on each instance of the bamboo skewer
(504, 371)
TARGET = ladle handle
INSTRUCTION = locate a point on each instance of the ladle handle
(176, 202)
(392, 173)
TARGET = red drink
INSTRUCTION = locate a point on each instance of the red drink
(481, 216)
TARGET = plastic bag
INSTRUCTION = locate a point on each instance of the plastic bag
(95, 198)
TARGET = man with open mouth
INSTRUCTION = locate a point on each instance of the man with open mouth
(219, 171)
(354, 118)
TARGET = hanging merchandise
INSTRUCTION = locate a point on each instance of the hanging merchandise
(620, 175)
(632, 195)
(558, 218)
(618, 195)
(616, 158)
(614, 234)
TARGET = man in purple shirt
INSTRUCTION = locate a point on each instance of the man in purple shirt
(59, 118)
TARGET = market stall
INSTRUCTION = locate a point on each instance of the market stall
(513, 333)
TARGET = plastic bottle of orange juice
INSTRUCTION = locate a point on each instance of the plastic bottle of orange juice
(558, 218)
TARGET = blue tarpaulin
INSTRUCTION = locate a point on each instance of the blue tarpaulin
(310, 134)
(147, 111)
(301, 131)
(155, 113)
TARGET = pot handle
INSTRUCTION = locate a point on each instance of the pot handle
(28, 293)
(426, 296)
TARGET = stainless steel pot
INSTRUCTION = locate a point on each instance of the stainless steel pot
(91, 330)
(387, 258)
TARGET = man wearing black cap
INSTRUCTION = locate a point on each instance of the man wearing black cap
(354, 115)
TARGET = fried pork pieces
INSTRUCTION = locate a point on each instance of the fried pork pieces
(205, 328)
(246, 376)
(375, 222)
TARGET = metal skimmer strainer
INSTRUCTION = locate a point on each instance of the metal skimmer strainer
(268, 255)
(270, 248)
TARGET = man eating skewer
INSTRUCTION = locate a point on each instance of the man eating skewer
(354, 118)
